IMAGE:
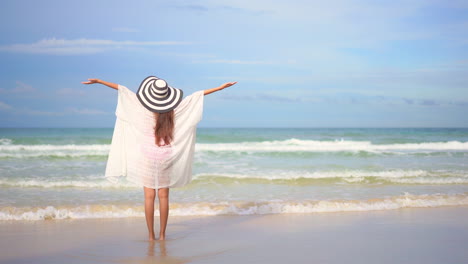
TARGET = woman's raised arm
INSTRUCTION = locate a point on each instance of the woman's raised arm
(212, 90)
(111, 85)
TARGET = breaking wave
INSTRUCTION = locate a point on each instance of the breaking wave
(297, 145)
(235, 208)
(288, 178)
(7, 150)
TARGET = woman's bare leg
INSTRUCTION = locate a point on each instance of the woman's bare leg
(150, 195)
(163, 195)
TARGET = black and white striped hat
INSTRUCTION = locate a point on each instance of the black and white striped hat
(157, 96)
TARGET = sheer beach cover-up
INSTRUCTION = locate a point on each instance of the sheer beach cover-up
(133, 153)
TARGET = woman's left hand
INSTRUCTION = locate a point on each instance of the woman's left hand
(219, 88)
(226, 85)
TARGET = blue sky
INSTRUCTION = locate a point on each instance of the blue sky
(298, 63)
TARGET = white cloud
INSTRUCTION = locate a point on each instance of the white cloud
(70, 92)
(68, 111)
(125, 29)
(4, 106)
(40, 113)
(86, 111)
(245, 62)
(81, 46)
(352, 23)
(20, 87)
(34, 112)
(234, 62)
(259, 79)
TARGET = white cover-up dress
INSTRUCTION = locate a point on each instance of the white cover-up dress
(133, 153)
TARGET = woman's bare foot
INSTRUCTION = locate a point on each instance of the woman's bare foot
(152, 237)
(162, 237)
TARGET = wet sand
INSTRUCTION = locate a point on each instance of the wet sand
(412, 235)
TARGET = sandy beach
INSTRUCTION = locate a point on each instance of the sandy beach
(412, 235)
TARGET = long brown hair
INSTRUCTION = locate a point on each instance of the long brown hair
(164, 129)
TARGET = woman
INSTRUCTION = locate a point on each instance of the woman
(153, 141)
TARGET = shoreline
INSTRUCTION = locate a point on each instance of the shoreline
(407, 235)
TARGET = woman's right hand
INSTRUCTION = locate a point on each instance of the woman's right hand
(111, 85)
(91, 81)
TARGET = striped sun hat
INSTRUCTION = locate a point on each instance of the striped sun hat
(157, 96)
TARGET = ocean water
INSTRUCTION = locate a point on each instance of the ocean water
(53, 173)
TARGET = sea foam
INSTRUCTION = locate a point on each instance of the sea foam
(5, 141)
(282, 177)
(297, 145)
(291, 145)
(235, 208)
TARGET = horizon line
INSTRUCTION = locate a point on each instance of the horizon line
(267, 127)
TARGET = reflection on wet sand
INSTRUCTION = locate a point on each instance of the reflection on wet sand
(161, 257)
(157, 252)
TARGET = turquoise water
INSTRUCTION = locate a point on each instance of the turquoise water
(59, 173)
